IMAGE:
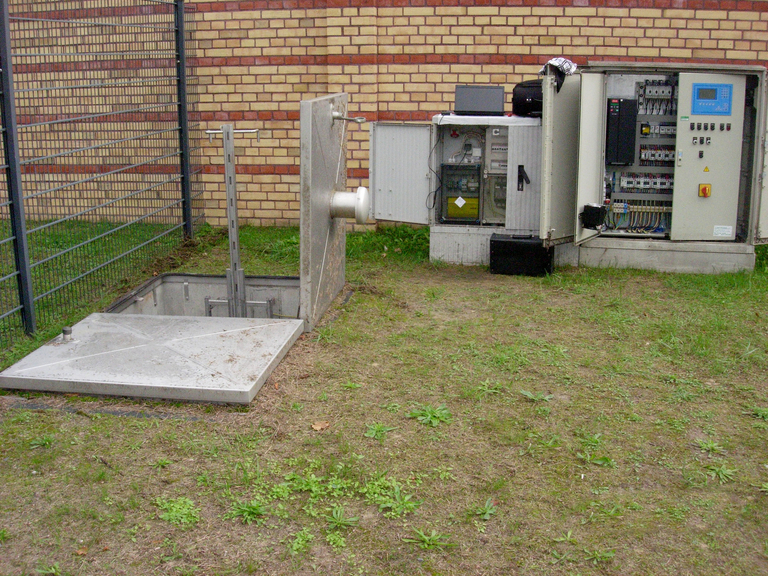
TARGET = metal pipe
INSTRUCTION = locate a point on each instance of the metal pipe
(13, 175)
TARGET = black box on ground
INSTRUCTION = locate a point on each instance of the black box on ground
(520, 256)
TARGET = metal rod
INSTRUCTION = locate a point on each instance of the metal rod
(98, 146)
(116, 84)
(91, 23)
(101, 175)
(94, 116)
(102, 205)
(13, 175)
(184, 160)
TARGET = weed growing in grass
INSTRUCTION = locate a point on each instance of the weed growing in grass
(160, 464)
(180, 511)
(604, 461)
(710, 447)
(763, 488)
(378, 431)
(566, 537)
(431, 416)
(537, 397)
(561, 557)
(336, 540)
(387, 494)
(486, 388)
(758, 412)
(248, 512)
(301, 542)
(429, 541)
(682, 395)
(337, 519)
(4, 535)
(42, 442)
(486, 510)
(393, 407)
(52, 570)
(721, 473)
(445, 473)
(351, 385)
(591, 442)
(597, 556)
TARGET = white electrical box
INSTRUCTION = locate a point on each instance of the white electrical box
(470, 177)
(670, 161)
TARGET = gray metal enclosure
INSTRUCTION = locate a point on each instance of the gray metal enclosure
(97, 178)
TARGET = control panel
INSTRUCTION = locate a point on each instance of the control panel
(673, 148)
(711, 99)
(708, 156)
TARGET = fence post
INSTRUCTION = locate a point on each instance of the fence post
(13, 175)
(181, 84)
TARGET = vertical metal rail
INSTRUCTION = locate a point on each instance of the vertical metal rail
(181, 83)
(13, 174)
(235, 274)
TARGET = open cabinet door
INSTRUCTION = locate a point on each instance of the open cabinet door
(399, 172)
(761, 227)
(591, 154)
(559, 161)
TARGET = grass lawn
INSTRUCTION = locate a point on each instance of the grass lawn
(440, 420)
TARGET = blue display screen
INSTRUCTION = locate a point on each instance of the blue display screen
(712, 99)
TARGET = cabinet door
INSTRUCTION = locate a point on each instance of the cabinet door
(559, 158)
(708, 161)
(524, 181)
(591, 151)
(399, 172)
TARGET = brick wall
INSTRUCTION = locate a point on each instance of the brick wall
(401, 60)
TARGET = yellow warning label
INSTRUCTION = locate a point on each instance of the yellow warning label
(706, 168)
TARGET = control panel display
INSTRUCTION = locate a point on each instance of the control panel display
(712, 99)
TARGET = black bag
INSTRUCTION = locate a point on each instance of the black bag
(527, 99)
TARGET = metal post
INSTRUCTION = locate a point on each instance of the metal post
(181, 83)
(15, 193)
(235, 274)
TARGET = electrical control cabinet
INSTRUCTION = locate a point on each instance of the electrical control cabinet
(669, 152)
(477, 185)
(506, 175)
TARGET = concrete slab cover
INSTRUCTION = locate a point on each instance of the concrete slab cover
(176, 358)
(323, 171)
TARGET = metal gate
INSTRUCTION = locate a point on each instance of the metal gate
(97, 178)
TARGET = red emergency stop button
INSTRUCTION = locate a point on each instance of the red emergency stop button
(705, 190)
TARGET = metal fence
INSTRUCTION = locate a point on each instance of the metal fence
(98, 179)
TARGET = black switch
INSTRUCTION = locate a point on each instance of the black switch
(693, 125)
(698, 126)
(722, 126)
(712, 126)
(701, 153)
(706, 126)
